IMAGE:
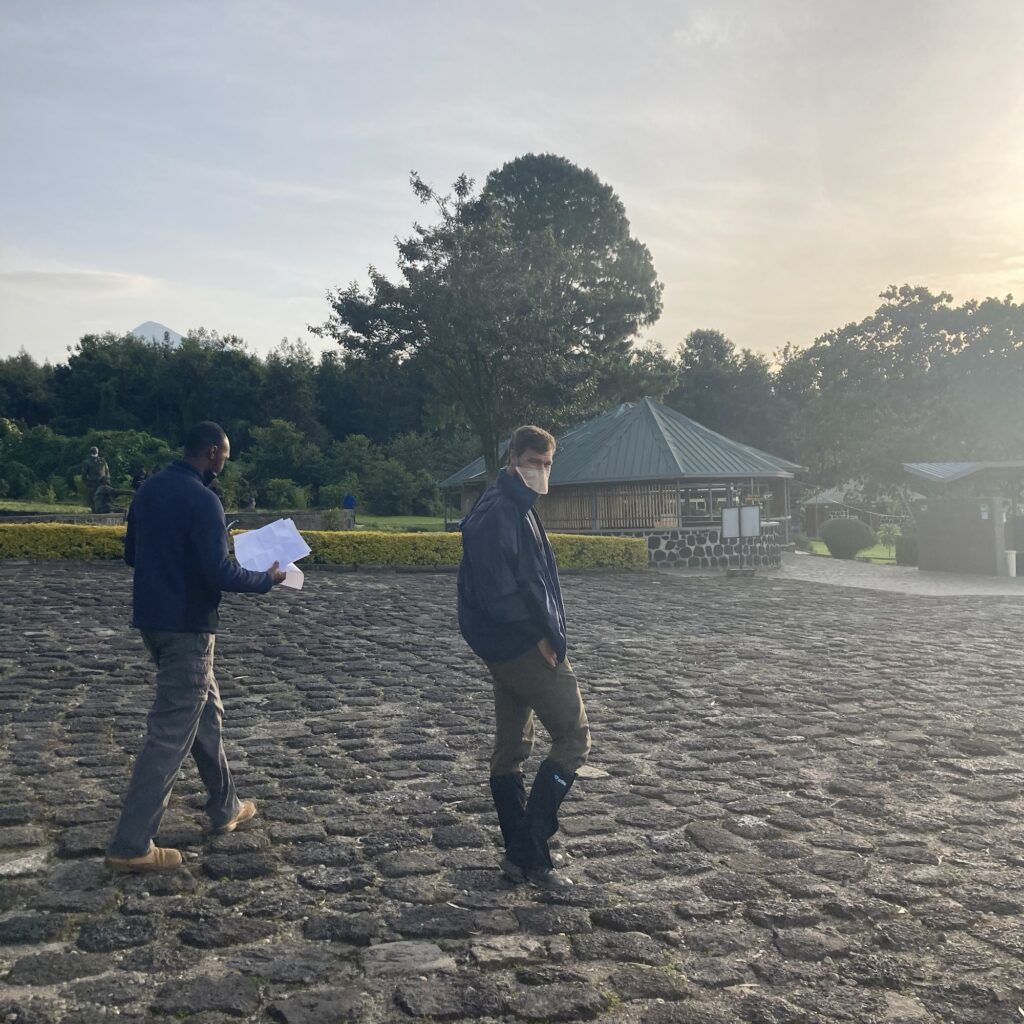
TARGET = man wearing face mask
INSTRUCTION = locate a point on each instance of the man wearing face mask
(177, 542)
(511, 615)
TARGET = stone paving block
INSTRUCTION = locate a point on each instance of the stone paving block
(440, 999)
(16, 814)
(811, 944)
(622, 947)
(411, 957)
(22, 863)
(321, 1006)
(420, 889)
(451, 922)
(559, 1002)
(22, 929)
(226, 931)
(240, 866)
(117, 990)
(21, 836)
(689, 1012)
(290, 964)
(508, 951)
(634, 983)
(553, 920)
(637, 917)
(714, 838)
(54, 968)
(232, 994)
(83, 840)
(334, 879)
(29, 1011)
(358, 929)
(114, 932)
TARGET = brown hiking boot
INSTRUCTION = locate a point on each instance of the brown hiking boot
(245, 813)
(158, 859)
(548, 878)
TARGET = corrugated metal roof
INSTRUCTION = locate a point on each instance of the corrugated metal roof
(948, 472)
(645, 440)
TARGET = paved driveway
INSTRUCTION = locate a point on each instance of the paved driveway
(897, 579)
(804, 805)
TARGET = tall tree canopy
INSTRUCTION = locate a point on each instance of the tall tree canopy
(521, 302)
(918, 380)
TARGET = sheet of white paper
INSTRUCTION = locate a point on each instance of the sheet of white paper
(293, 577)
(279, 542)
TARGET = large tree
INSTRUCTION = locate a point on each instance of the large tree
(727, 390)
(919, 380)
(522, 301)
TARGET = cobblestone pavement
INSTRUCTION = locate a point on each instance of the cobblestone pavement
(804, 805)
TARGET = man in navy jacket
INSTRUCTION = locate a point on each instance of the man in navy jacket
(177, 542)
(511, 615)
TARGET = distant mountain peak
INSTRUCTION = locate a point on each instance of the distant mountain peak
(157, 333)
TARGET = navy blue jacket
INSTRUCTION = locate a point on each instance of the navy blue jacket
(509, 596)
(177, 543)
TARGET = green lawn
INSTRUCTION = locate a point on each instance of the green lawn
(12, 505)
(364, 521)
(879, 553)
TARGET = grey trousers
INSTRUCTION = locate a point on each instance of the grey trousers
(186, 718)
(529, 686)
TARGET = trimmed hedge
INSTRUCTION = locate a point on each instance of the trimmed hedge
(368, 547)
(576, 551)
(60, 540)
(347, 547)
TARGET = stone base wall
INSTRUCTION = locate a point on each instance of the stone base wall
(703, 548)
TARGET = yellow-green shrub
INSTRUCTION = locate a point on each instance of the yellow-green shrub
(365, 547)
(579, 551)
(60, 540)
(370, 547)
(347, 547)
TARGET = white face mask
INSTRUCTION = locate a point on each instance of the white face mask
(534, 478)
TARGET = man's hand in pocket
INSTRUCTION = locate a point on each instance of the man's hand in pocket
(547, 652)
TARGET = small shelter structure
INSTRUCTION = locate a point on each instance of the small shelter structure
(970, 521)
(644, 468)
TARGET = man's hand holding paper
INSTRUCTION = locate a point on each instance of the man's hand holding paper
(278, 543)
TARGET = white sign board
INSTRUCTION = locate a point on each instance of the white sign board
(741, 522)
(750, 521)
(730, 523)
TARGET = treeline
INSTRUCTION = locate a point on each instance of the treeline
(304, 430)
(920, 379)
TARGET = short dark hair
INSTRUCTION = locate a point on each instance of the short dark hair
(535, 438)
(203, 435)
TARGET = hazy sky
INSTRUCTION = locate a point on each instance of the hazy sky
(223, 163)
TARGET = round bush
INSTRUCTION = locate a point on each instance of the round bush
(845, 537)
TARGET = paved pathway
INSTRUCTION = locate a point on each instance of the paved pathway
(804, 806)
(898, 579)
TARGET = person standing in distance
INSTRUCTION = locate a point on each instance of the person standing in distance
(511, 615)
(177, 543)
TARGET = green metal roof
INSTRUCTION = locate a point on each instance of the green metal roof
(949, 472)
(645, 440)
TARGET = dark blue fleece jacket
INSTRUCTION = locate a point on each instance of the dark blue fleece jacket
(177, 543)
(509, 595)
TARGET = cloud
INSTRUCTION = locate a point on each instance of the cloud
(93, 281)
